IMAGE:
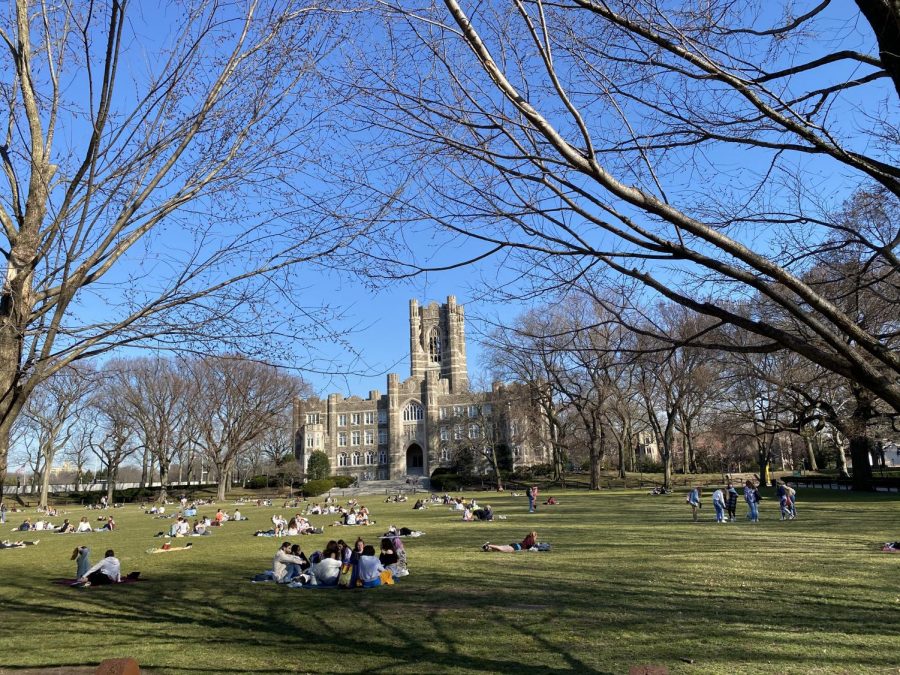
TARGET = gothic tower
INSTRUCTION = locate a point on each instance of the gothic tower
(437, 342)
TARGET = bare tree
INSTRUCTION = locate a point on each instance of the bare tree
(157, 396)
(112, 437)
(151, 177)
(236, 402)
(578, 137)
(51, 414)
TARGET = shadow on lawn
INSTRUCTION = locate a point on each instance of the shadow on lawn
(482, 624)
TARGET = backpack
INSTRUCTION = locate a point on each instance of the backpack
(542, 546)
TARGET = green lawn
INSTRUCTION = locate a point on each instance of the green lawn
(630, 581)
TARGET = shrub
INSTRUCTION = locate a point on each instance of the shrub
(342, 481)
(445, 480)
(258, 482)
(314, 488)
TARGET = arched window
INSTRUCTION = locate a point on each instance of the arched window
(342, 459)
(434, 345)
(357, 459)
(382, 457)
(413, 413)
(370, 458)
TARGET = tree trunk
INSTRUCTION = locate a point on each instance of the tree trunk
(163, 481)
(144, 462)
(112, 473)
(624, 451)
(689, 448)
(810, 453)
(45, 487)
(861, 445)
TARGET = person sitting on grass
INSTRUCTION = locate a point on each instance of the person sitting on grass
(66, 527)
(84, 525)
(237, 515)
(529, 541)
(26, 526)
(287, 565)
(551, 501)
(468, 515)
(326, 571)
(370, 568)
(107, 571)
(891, 547)
(693, 499)
(393, 556)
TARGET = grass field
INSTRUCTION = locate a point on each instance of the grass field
(630, 581)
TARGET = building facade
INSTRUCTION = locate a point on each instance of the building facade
(424, 421)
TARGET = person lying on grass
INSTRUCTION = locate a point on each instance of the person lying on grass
(889, 547)
(6, 543)
(528, 542)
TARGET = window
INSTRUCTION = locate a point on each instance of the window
(486, 409)
(382, 417)
(370, 437)
(457, 411)
(342, 420)
(312, 418)
(445, 454)
(370, 417)
(445, 434)
(342, 439)
(413, 413)
(382, 457)
(370, 457)
(355, 438)
(442, 413)
(342, 459)
(434, 345)
(474, 431)
(357, 459)
(356, 418)
(517, 452)
(382, 437)
(457, 432)
(473, 411)
(310, 442)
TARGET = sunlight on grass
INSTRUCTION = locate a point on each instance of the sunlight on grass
(630, 581)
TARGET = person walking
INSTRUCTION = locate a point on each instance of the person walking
(530, 494)
(751, 496)
(731, 497)
(694, 500)
(718, 499)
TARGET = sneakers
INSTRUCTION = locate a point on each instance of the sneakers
(485, 546)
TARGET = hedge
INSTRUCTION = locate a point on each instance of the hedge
(314, 488)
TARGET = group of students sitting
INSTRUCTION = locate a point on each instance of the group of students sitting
(291, 528)
(340, 565)
(67, 527)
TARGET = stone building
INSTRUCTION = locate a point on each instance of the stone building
(422, 422)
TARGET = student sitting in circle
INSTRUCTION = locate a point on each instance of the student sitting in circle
(529, 541)
(370, 568)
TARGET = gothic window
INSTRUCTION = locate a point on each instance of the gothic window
(382, 457)
(413, 413)
(382, 437)
(342, 459)
(312, 418)
(357, 459)
(370, 458)
(434, 345)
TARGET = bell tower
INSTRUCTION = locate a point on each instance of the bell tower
(437, 342)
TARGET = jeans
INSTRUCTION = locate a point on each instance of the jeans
(754, 512)
(720, 512)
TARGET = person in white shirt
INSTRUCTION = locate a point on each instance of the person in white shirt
(282, 561)
(84, 525)
(107, 571)
(370, 568)
(718, 499)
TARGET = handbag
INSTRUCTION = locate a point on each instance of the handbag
(346, 576)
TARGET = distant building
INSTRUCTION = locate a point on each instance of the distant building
(424, 421)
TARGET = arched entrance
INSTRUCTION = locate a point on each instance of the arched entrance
(415, 460)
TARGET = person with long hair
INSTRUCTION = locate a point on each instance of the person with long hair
(529, 541)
